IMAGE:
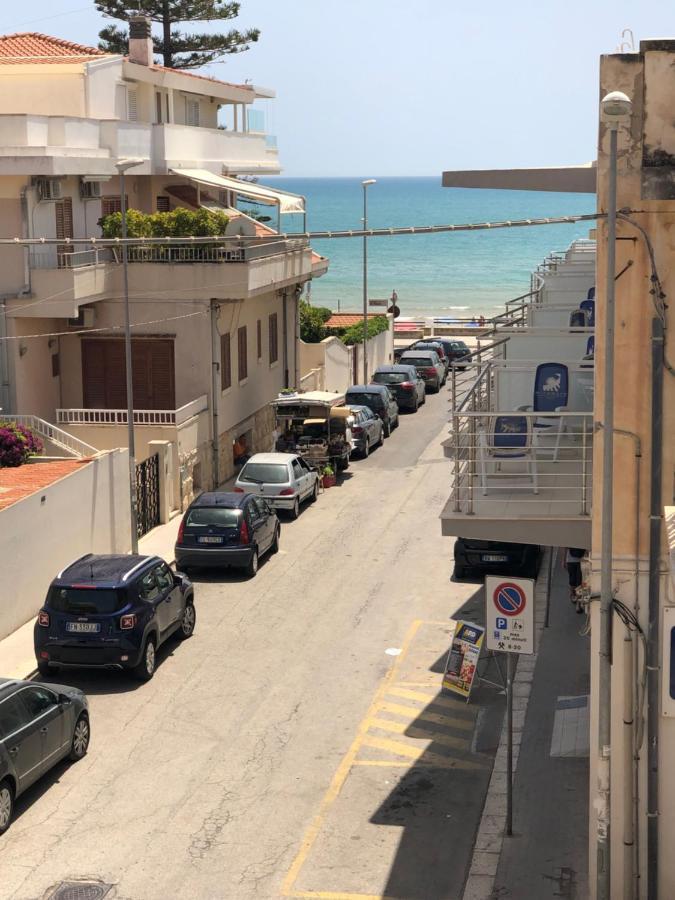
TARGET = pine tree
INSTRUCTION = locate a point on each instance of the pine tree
(178, 49)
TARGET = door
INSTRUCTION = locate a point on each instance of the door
(172, 597)
(149, 592)
(300, 476)
(308, 475)
(44, 708)
(22, 741)
(259, 520)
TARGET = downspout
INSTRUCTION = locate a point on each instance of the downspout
(5, 399)
(296, 349)
(284, 319)
(27, 232)
(215, 373)
(653, 635)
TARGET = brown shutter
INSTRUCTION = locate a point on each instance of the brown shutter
(274, 348)
(104, 374)
(242, 342)
(63, 211)
(225, 362)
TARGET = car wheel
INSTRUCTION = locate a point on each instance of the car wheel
(43, 667)
(416, 406)
(146, 667)
(397, 421)
(275, 543)
(295, 511)
(315, 493)
(188, 622)
(81, 735)
(366, 449)
(6, 805)
(424, 397)
(387, 429)
(460, 572)
(252, 567)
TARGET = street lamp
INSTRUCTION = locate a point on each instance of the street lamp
(365, 184)
(122, 166)
(615, 110)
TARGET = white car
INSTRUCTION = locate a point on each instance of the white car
(283, 479)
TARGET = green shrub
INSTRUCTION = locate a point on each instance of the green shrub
(354, 334)
(312, 322)
(177, 223)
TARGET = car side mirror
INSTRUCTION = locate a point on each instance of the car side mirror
(65, 700)
(177, 580)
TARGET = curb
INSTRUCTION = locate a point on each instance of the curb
(492, 829)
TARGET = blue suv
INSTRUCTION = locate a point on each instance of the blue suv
(112, 612)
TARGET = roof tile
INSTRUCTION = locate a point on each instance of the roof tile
(33, 47)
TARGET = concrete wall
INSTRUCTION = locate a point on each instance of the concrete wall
(59, 94)
(341, 369)
(85, 512)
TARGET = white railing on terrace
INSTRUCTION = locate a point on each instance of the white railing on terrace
(50, 258)
(171, 417)
(51, 433)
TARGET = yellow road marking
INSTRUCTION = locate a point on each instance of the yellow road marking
(343, 769)
(411, 731)
(424, 716)
(436, 700)
(421, 756)
(329, 895)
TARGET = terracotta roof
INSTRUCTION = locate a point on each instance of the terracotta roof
(32, 47)
(344, 320)
(20, 482)
(156, 68)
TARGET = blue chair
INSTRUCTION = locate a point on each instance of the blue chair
(551, 393)
(588, 307)
(507, 438)
(590, 346)
(591, 293)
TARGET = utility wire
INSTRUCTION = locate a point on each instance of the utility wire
(107, 329)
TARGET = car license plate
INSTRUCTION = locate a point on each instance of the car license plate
(83, 627)
(494, 557)
(209, 539)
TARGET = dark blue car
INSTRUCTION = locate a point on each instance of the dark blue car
(112, 612)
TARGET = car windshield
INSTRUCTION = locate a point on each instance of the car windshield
(202, 516)
(460, 345)
(390, 377)
(264, 473)
(364, 398)
(86, 600)
(419, 361)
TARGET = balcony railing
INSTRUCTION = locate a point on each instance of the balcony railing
(48, 432)
(172, 417)
(50, 258)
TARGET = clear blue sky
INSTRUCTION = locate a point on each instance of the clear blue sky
(386, 87)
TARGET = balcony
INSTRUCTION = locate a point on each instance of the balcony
(222, 151)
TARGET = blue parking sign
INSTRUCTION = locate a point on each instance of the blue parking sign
(501, 623)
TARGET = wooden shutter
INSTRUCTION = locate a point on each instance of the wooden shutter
(110, 205)
(153, 374)
(225, 362)
(104, 374)
(191, 112)
(242, 342)
(132, 105)
(63, 210)
(163, 203)
(274, 338)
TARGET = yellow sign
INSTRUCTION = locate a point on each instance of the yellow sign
(460, 668)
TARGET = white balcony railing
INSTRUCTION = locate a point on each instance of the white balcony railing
(51, 258)
(48, 432)
(171, 417)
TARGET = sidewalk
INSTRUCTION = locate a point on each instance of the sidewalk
(547, 855)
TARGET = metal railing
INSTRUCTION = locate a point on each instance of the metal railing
(559, 464)
(172, 417)
(50, 258)
(51, 433)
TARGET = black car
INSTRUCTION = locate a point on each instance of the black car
(502, 557)
(112, 612)
(455, 350)
(377, 397)
(404, 383)
(40, 724)
(227, 529)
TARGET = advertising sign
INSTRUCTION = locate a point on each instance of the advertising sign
(509, 614)
(460, 668)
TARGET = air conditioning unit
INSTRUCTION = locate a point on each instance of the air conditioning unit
(85, 318)
(90, 190)
(49, 188)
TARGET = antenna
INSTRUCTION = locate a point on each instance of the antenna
(627, 46)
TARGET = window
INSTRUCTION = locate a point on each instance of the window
(225, 362)
(163, 577)
(264, 473)
(274, 338)
(297, 469)
(168, 117)
(132, 105)
(56, 369)
(12, 716)
(81, 601)
(110, 205)
(163, 204)
(149, 589)
(259, 338)
(104, 373)
(158, 107)
(203, 516)
(38, 700)
(191, 112)
(243, 360)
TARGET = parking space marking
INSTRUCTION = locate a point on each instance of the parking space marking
(436, 718)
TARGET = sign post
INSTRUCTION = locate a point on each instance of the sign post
(509, 622)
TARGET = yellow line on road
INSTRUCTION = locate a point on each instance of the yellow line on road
(420, 756)
(414, 715)
(437, 700)
(329, 895)
(411, 731)
(341, 774)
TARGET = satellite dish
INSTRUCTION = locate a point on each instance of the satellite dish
(240, 226)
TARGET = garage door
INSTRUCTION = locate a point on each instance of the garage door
(104, 374)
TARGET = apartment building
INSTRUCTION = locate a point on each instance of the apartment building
(552, 493)
(213, 329)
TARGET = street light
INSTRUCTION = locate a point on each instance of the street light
(616, 109)
(365, 185)
(122, 166)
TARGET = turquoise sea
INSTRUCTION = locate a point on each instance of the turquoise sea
(444, 274)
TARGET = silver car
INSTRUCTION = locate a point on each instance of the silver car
(40, 724)
(429, 367)
(283, 479)
(367, 430)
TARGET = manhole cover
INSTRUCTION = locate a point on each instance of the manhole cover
(80, 890)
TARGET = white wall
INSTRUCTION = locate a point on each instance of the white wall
(85, 512)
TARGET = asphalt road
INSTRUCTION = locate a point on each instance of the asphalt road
(288, 748)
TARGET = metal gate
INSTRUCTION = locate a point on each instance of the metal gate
(147, 494)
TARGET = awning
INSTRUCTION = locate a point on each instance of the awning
(287, 203)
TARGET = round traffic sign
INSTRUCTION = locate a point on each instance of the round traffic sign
(395, 310)
(509, 599)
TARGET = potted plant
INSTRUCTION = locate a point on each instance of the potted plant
(328, 476)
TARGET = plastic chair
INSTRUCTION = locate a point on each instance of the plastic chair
(590, 346)
(508, 438)
(551, 393)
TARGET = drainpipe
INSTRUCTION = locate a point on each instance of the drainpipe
(215, 394)
(27, 232)
(284, 318)
(5, 386)
(296, 351)
(655, 516)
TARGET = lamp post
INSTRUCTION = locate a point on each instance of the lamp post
(616, 108)
(365, 184)
(122, 166)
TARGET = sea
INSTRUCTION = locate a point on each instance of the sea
(460, 274)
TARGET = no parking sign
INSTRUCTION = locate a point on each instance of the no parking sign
(509, 614)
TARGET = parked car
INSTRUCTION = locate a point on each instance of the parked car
(501, 557)
(367, 430)
(377, 397)
(404, 383)
(429, 367)
(112, 612)
(454, 349)
(227, 529)
(283, 479)
(40, 724)
(436, 346)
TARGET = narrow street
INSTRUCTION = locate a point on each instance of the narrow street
(287, 749)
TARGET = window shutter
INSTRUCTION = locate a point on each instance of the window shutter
(104, 374)
(132, 105)
(274, 335)
(225, 362)
(242, 342)
(259, 336)
(163, 204)
(191, 112)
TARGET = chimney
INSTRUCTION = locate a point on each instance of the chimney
(140, 41)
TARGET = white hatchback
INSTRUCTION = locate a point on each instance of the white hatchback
(283, 479)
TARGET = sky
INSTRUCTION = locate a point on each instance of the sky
(386, 87)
